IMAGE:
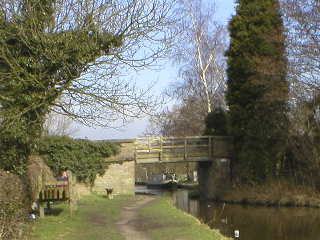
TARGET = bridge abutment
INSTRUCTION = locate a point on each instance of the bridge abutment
(214, 178)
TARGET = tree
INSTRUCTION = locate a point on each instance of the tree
(257, 92)
(216, 122)
(59, 125)
(65, 56)
(301, 19)
(185, 119)
(199, 50)
(303, 43)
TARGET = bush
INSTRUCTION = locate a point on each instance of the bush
(14, 208)
(83, 157)
(37, 168)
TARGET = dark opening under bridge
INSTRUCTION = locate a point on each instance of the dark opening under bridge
(181, 149)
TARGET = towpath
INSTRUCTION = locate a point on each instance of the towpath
(131, 224)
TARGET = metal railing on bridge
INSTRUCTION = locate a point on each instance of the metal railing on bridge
(181, 149)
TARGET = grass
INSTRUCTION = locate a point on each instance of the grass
(177, 224)
(96, 216)
(274, 193)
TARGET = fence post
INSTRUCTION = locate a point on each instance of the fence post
(40, 203)
(185, 149)
(71, 181)
(210, 146)
(160, 153)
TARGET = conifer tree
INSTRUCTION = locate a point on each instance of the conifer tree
(257, 88)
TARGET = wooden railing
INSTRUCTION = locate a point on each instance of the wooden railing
(181, 149)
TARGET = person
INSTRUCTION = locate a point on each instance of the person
(63, 177)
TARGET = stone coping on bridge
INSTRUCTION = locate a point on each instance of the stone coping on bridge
(129, 140)
(126, 152)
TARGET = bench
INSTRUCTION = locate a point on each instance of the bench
(56, 191)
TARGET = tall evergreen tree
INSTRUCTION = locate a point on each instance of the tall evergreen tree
(257, 88)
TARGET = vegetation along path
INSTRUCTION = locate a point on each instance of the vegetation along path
(121, 218)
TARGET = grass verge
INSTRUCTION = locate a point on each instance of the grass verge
(167, 222)
(96, 219)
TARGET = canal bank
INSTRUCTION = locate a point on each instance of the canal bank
(153, 218)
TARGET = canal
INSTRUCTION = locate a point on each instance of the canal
(248, 222)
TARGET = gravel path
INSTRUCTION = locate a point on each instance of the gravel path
(131, 224)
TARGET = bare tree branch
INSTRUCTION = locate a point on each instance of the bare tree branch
(200, 51)
(79, 53)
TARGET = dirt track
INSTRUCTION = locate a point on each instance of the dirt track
(131, 224)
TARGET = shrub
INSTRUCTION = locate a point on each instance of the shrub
(13, 206)
(83, 157)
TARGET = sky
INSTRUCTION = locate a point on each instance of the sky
(163, 77)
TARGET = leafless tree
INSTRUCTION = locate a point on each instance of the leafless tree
(59, 125)
(200, 52)
(104, 93)
(90, 83)
(303, 44)
(302, 19)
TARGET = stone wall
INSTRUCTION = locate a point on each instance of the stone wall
(81, 190)
(214, 178)
(119, 176)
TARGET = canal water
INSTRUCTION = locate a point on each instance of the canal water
(248, 222)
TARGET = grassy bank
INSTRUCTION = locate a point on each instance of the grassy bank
(273, 193)
(96, 219)
(162, 215)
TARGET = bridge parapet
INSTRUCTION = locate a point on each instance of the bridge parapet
(181, 149)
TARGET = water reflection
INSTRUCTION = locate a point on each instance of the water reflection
(263, 223)
(141, 189)
(252, 222)
(183, 202)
